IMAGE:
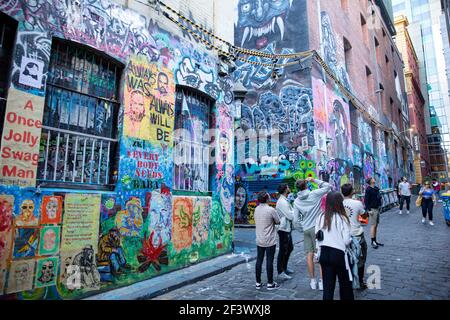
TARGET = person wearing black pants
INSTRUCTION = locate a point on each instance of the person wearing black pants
(266, 218)
(427, 208)
(332, 262)
(333, 237)
(428, 200)
(270, 254)
(286, 214)
(286, 247)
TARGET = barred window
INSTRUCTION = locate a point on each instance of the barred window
(79, 136)
(191, 143)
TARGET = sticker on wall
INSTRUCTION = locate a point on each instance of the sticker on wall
(49, 240)
(31, 72)
(46, 272)
(20, 139)
(182, 223)
(21, 275)
(51, 210)
(25, 242)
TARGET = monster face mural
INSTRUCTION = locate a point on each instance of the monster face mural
(261, 21)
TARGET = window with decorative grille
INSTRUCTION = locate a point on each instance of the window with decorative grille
(191, 143)
(79, 134)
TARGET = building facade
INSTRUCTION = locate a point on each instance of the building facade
(109, 173)
(340, 118)
(426, 22)
(416, 101)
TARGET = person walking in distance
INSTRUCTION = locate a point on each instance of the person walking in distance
(428, 200)
(372, 200)
(307, 208)
(405, 195)
(333, 236)
(266, 218)
(354, 209)
(286, 214)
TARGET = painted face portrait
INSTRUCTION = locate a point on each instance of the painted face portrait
(226, 197)
(47, 272)
(163, 84)
(49, 239)
(52, 208)
(261, 21)
(21, 274)
(239, 199)
(224, 145)
(137, 106)
(26, 215)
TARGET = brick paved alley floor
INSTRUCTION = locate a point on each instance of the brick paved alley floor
(414, 265)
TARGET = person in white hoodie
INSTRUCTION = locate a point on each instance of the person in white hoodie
(333, 236)
(286, 214)
(306, 210)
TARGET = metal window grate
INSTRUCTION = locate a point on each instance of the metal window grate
(79, 127)
(192, 114)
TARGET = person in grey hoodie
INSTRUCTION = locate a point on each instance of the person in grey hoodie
(307, 207)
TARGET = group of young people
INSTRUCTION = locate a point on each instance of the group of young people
(333, 234)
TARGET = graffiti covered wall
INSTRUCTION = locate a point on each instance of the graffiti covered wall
(57, 244)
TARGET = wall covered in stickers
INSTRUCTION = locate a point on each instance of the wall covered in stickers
(57, 244)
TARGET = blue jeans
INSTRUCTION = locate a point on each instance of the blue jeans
(117, 260)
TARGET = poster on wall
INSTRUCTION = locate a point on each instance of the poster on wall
(79, 241)
(21, 275)
(46, 271)
(149, 100)
(31, 72)
(200, 219)
(51, 210)
(49, 240)
(20, 139)
(182, 223)
(25, 242)
(6, 227)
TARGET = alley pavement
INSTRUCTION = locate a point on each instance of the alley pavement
(414, 264)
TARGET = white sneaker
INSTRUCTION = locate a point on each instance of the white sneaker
(407, 212)
(423, 220)
(284, 276)
(320, 285)
(431, 223)
(400, 212)
(313, 284)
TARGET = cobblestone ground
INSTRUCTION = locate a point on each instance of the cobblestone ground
(414, 265)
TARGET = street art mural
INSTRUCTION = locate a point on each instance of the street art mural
(241, 215)
(332, 51)
(365, 135)
(260, 22)
(73, 245)
(368, 166)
